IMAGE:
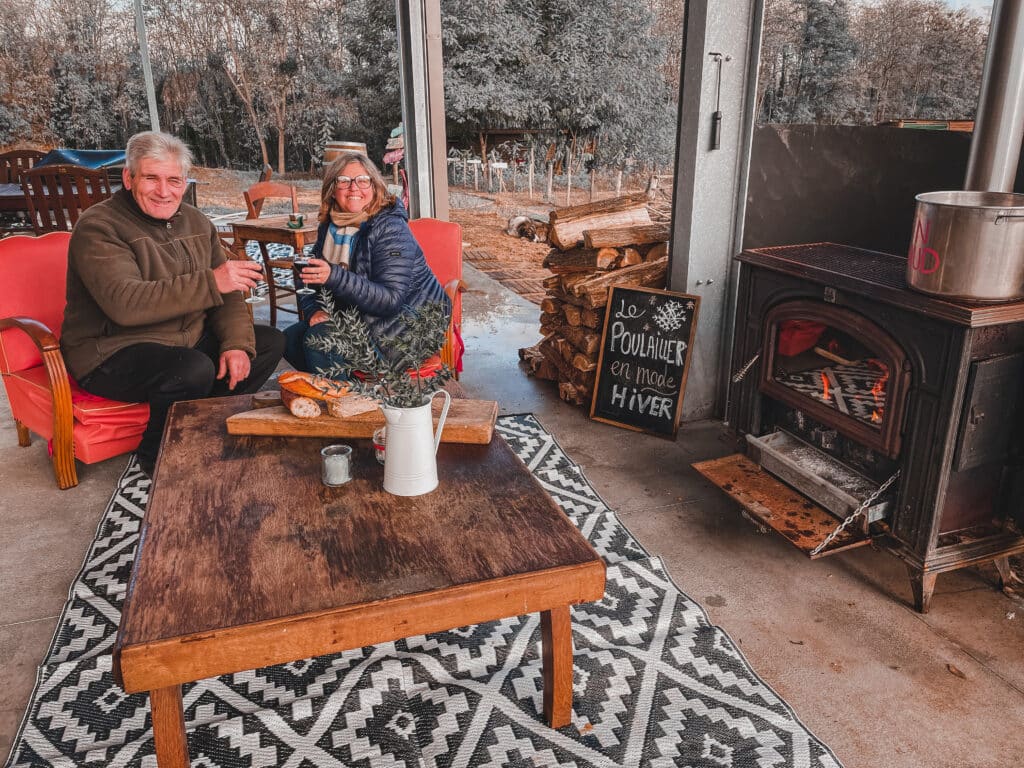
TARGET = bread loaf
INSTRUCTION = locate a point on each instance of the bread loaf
(312, 386)
(298, 405)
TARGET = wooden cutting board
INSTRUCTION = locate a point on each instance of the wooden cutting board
(468, 421)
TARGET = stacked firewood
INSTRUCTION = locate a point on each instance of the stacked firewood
(596, 246)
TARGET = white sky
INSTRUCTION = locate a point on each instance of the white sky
(981, 7)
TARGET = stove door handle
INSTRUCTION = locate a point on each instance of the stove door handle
(977, 416)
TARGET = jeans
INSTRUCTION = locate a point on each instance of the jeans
(300, 353)
(161, 375)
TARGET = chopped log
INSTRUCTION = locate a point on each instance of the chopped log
(583, 363)
(567, 225)
(607, 258)
(568, 281)
(630, 257)
(659, 251)
(570, 393)
(553, 356)
(565, 349)
(565, 370)
(565, 297)
(620, 236)
(536, 364)
(550, 305)
(572, 260)
(610, 205)
(593, 318)
(547, 318)
(552, 283)
(594, 291)
(584, 340)
(573, 314)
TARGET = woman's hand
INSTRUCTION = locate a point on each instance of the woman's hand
(318, 317)
(316, 273)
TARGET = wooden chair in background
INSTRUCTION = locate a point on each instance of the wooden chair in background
(17, 161)
(441, 242)
(255, 197)
(42, 397)
(57, 194)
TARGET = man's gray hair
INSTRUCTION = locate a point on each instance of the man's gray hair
(157, 146)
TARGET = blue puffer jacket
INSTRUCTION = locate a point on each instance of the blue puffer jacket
(387, 273)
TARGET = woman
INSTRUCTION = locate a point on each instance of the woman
(365, 255)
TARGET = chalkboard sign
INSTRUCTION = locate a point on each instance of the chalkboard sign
(645, 356)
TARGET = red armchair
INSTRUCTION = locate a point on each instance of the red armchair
(43, 398)
(441, 242)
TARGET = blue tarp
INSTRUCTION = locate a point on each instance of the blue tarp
(90, 158)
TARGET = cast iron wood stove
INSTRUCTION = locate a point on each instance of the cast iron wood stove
(864, 390)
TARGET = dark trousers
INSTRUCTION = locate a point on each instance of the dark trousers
(161, 375)
(300, 352)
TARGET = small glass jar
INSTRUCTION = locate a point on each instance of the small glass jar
(336, 464)
(378, 444)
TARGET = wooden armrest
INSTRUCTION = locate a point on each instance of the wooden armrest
(60, 391)
(454, 287)
(39, 333)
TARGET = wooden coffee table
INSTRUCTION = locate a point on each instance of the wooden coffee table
(245, 559)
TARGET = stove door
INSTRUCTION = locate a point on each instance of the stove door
(839, 368)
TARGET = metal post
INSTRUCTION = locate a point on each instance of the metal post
(999, 125)
(709, 187)
(422, 84)
(147, 71)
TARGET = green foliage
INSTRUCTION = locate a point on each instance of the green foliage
(387, 377)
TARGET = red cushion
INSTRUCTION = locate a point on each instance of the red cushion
(103, 428)
(33, 273)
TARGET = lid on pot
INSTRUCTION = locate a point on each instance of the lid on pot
(970, 199)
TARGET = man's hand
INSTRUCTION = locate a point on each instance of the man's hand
(237, 275)
(318, 317)
(235, 364)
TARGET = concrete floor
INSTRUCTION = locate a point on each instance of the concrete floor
(836, 639)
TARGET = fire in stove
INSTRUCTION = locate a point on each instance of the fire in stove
(832, 367)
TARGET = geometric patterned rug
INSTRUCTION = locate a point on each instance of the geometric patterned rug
(655, 683)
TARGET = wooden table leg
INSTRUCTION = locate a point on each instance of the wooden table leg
(556, 639)
(169, 727)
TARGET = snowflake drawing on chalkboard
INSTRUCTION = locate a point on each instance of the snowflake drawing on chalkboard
(671, 316)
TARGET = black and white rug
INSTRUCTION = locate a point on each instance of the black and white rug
(655, 683)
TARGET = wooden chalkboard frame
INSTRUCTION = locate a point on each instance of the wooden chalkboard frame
(595, 412)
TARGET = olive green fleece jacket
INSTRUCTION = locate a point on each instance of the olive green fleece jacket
(132, 278)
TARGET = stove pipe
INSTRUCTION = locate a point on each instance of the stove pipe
(999, 125)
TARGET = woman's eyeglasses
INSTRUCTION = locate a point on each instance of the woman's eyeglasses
(363, 182)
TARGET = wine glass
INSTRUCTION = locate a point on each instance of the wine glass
(298, 264)
(254, 297)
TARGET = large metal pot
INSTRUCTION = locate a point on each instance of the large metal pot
(968, 245)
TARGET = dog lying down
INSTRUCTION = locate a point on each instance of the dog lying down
(523, 226)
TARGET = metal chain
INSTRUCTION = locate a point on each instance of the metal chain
(856, 513)
(742, 372)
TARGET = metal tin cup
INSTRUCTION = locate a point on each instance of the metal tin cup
(336, 464)
(378, 444)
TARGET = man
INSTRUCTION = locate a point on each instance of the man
(154, 308)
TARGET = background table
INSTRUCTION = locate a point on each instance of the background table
(273, 229)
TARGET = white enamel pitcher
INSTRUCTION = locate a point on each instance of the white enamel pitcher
(410, 466)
